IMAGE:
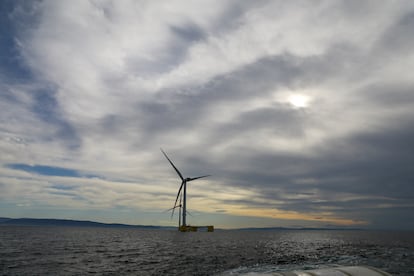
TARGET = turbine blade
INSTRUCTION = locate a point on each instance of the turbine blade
(176, 199)
(166, 211)
(179, 191)
(194, 178)
(175, 168)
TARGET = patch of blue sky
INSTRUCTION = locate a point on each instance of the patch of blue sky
(66, 190)
(11, 65)
(63, 187)
(14, 70)
(46, 170)
(46, 108)
(63, 193)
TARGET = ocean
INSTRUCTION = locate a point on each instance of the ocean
(37, 250)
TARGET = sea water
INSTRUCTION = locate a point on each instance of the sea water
(39, 250)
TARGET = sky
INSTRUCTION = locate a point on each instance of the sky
(302, 112)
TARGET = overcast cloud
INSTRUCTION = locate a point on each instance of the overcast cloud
(302, 111)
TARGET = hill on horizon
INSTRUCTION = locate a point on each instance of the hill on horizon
(69, 222)
(87, 223)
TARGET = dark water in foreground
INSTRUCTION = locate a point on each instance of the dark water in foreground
(111, 251)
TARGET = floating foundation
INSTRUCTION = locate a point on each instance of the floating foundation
(191, 228)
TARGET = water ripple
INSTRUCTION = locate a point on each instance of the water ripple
(111, 251)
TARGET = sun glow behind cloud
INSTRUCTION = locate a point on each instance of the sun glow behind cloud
(299, 101)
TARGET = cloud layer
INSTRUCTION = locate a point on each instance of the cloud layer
(301, 111)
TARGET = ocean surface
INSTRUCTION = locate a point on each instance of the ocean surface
(32, 250)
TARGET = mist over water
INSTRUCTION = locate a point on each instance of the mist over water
(110, 251)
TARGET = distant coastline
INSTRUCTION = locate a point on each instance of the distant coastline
(69, 222)
(86, 223)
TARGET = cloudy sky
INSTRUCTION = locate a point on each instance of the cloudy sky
(301, 111)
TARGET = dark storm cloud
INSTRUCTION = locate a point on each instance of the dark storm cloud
(391, 218)
(389, 95)
(370, 163)
(389, 159)
(375, 166)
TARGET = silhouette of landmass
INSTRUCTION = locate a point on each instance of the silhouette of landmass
(68, 222)
(86, 223)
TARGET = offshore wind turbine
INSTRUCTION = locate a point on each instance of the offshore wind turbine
(183, 190)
